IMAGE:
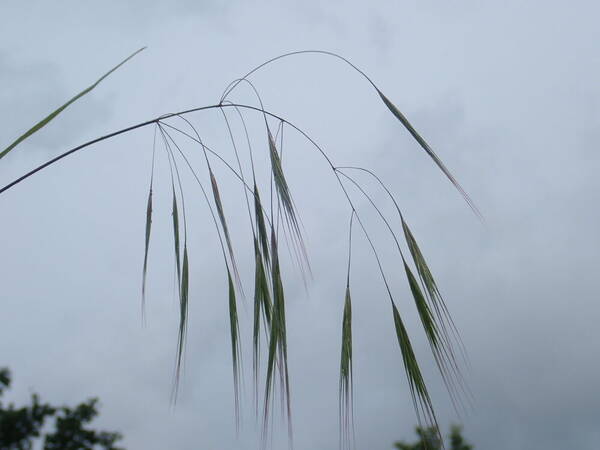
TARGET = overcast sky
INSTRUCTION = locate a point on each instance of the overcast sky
(506, 92)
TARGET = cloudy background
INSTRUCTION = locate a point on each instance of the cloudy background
(508, 94)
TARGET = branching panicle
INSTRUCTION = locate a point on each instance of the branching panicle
(269, 299)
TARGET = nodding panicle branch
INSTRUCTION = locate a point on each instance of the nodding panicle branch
(395, 111)
(431, 289)
(153, 122)
(148, 230)
(236, 345)
(269, 297)
(182, 269)
(345, 396)
(208, 149)
(236, 82)
(437, 334)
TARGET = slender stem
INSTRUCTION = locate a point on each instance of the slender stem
(73, 150)
(154, 121)
(188, 111)
(234, 83)
(220, 158)
(170, 152)
(349, 248)
(206, 198)
(237, 157)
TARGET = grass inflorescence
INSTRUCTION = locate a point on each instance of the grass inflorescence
(269, 300)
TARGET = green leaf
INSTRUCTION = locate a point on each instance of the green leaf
(55, 113)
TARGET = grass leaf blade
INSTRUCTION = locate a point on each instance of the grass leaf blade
(56, 112)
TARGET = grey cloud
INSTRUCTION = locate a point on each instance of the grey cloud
(506, 93)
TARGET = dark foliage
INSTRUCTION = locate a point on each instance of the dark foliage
(21, 427)
(429, 440)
